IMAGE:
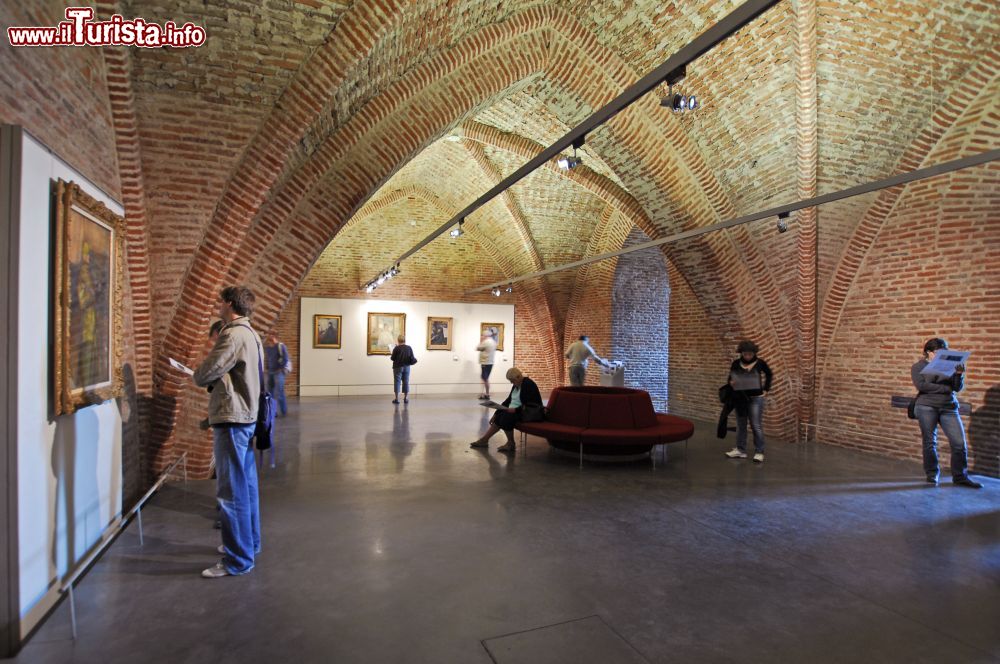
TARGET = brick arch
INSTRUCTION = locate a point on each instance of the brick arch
(311, 206)
(865, 233)
(754, 297)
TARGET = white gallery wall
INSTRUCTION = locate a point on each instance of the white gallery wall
(349, 370)
(69, 468)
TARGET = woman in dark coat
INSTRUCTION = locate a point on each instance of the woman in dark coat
(523, 392)
(750, 378)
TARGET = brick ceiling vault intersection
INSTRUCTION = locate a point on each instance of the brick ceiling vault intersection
(378, 131)
(307, 170)
(977, 82)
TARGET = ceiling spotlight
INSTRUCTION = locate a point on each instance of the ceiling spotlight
(678, 103)
(510, 288)
(394, 270)
(457, 230)
(496, 291)
(782, 222)
(567, 163)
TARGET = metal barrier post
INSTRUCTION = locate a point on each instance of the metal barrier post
(72, 611)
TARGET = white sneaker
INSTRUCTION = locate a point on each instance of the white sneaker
(758, 457)
(217, 571)
(736, 453)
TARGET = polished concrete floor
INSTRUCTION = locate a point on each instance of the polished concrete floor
(386, 539)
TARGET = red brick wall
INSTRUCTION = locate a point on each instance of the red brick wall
(59, 95)
(933, 270)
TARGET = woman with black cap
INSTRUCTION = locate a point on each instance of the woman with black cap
(750, 378)
(936, 404)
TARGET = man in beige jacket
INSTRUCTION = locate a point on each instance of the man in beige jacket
(232, 373)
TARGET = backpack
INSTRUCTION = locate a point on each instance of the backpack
(267, 409)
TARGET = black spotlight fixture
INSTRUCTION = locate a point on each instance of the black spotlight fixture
(677, 102)
(510, 288)
(495, 291)
(782, 222)
(567, 163)
(457, 230)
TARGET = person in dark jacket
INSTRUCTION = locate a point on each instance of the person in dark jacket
(750, 378)
(402, 358)
(524, 391)
(936, 404)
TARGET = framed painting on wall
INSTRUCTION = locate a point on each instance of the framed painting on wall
(495, 330)
(326, 331)
(89, 245)
(383, 331)
(439, 333)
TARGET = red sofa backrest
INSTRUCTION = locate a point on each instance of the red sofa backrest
(611, 411)
(569, 407)
(601, 407)
(642, 409)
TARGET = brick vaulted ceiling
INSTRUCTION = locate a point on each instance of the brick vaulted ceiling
(310, 133)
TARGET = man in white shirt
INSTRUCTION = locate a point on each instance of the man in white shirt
(579, 354)
(487, 353)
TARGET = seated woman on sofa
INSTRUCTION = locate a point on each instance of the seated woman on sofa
(523, 392)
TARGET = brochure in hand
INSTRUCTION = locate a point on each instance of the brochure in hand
(945, 361)
(492, 404)
(177, 365)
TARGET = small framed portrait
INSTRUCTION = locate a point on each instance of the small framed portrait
(88, 315)
(383, 332)
(494, 330)
(326, 331)
(439, 333)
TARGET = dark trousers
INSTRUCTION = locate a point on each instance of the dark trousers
(929, 418)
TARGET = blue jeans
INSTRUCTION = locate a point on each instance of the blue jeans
(929, 418)
(276, 386)
(237, 494)
(401, 375)
(756, 409)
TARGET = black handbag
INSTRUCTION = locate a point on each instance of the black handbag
(532, 412)
(911, 408)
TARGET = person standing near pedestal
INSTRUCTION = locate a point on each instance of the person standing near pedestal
(579, 354)
(232, 369)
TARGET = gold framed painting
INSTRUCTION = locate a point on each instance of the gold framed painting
(495, 330)
(439, 333)
(89, 246)
(326, 331)
(383, 332)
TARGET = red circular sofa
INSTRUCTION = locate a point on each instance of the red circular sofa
(606, 421)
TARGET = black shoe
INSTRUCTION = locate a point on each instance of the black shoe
(932, 478)
(965, 480)
(395, 400)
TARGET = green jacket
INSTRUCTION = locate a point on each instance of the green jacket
(231, 374)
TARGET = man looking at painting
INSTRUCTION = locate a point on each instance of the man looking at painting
(277, 366)
(232, 370)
